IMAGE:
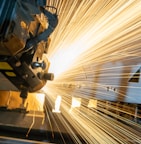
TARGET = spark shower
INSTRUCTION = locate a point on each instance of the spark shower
(96, 42)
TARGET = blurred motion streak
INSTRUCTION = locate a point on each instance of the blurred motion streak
(95, 50)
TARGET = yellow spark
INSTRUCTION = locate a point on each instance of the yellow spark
(93, 50)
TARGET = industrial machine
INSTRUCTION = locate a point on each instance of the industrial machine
(25, 28)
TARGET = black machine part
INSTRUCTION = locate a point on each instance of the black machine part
(46, 76)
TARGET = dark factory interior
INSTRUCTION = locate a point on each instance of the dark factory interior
(70, 71)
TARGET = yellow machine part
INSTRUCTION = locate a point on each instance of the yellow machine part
(12, 100)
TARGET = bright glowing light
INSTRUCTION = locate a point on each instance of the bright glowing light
(65, 59)
(76, 102)
(40, 97)
(95, 45)
(35, 101)
(87, 31)
(57, 104)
